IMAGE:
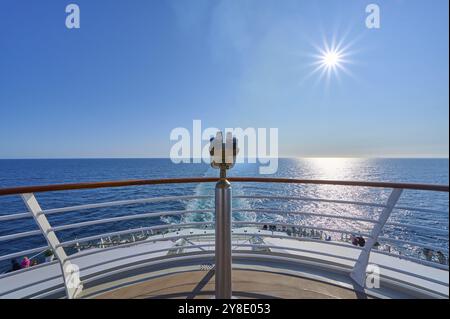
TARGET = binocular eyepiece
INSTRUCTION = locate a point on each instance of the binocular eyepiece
(223, 154)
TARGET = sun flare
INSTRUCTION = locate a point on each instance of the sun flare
(331, 59)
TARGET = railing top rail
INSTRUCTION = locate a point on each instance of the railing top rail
(140, 182)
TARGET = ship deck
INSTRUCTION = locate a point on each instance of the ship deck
(246, 284)
(161, 270)
(268, 260)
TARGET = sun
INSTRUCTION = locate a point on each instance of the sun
(331, 59)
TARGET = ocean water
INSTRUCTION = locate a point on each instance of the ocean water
(42, 172)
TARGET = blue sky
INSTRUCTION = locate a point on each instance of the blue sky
(135, 70)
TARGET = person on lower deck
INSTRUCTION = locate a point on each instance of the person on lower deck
(441, 258)
(25, 262)
(428, 253)
(14, 265)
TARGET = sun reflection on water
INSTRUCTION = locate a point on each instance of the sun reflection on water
(345, 169)
(333, 167)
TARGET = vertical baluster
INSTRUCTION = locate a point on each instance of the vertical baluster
(69, 271)
(358, 273)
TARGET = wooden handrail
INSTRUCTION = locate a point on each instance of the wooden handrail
(140, 182)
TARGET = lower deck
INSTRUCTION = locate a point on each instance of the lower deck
(284, 268)
(246, 284)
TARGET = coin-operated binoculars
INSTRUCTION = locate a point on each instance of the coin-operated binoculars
(223, 156)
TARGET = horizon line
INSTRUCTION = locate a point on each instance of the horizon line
(191, 158)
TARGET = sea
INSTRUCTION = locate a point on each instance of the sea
(27, 172)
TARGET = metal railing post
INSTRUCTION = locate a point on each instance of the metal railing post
(358, 273)
(223, 263)
(69, 271)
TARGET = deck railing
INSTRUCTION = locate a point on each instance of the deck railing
(222, 211)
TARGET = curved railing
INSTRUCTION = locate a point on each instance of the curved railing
(301, 232)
